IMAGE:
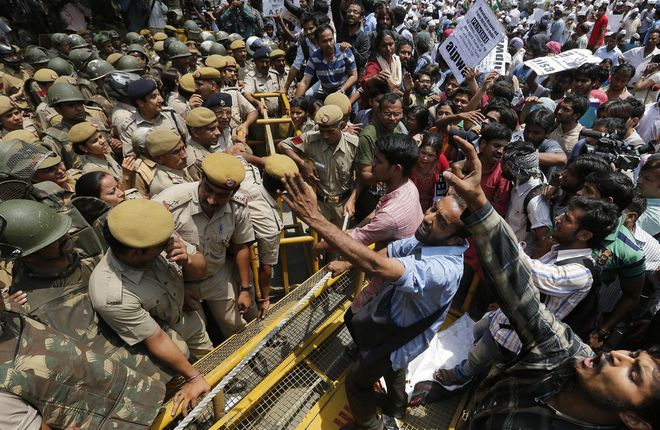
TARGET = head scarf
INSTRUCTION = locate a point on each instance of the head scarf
(517, 42)
(554, 47)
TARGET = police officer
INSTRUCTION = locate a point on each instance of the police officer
(150, 113)
(52, 169)
(239, 52)
(180, 56)
(243, 113)
(169, 152)
(278, 63)
(69, 103)
(203, 129)
(11, 118)
(60, 46)
(80, 58)
(145, 166)
(90, 144)
(332, 153)
(214, 217)
(116, 88)
(97, 70)
(221, 104)
(104, 44)
(37, 87)
(263, 80)
(13, 76)
(138, 286)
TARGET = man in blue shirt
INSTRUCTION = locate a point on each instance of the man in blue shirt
(335, 69)
(421, 277)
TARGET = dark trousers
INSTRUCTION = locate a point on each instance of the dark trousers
(362, 397)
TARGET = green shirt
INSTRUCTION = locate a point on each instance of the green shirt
(619, 255)
(368, 199)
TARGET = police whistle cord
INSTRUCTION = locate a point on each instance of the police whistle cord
(223, 383)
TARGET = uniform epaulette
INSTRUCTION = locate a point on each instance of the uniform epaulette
(239, 198)
(352, 139)
(178, 202)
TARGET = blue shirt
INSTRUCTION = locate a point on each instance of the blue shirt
(370, 23)
(649, 221)
(335, 74)
(432, 277)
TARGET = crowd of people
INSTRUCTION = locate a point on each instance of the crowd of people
(134, 180)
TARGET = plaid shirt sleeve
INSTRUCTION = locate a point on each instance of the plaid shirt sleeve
(541, 334)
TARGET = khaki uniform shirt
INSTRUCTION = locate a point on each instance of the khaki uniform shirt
(212, 237)
(13, 82)
(166, 119)
(108, 163)
(136, 302)
(335, 167)
(28, 125)
(44, 112)
(166, 177)
(120, 113)
(267, 223)
(240, 107)
(144, 175)
(196, 153)
(180, 105)
(255, 82)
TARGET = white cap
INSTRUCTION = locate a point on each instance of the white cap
(635, 36)
(622, 32)
(608, 34)
(414, 7)
(629, 4)
(652, 2)
(582, 13)
(571, 16)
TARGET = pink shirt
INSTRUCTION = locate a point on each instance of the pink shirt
(397, 216)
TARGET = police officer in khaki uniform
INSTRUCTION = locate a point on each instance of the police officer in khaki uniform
(263, 80)
(139, 285)
(214, 217)
(278, 63)
(91, 146)
(13, 76)
(203, 129)
(11, 118)
(169, 152)
(44, 79)
(150, 113)
(332, 153)
(243, 113)
(53, 170)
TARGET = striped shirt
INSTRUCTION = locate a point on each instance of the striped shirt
(332, 75)
(565, 286)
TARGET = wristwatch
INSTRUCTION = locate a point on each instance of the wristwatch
(245, 289)
(342, 91)
(603, 334)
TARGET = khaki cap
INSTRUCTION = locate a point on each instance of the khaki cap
(51, 161)
(6, 104)
(237, 44)
(170, 27)
(216, 61)
(24, 135)
(45, 75)
(126, 223)
(223, 170)
(341, 100)
(160, 36)
(66, 79)
(114, 57)
(82, 131)
(187, 82)
(207, 73)
(231, 61)
(277, 165)
(328, 116)
(162, 141)
(276, 53)
(159, 46)
(144, 31)
(200, 117)
(193, 50)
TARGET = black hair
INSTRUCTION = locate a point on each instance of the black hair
(381, 35)
(586, 164)
(503, 89)
(607, 61)
(543, 26)
(391, 98)
(638, 107)
(302, 103)
(655, 30)
(582, 27)
(89, 184)
(495, 131)
(433, 140)
(507, 116)
(627, 69)
(570, 44)
(421, 115)
(463, 231)
(309, 16)
(422, 47)
(368, 6)
(321, 29)
(579, 103)
(603, 74)
(359, 4)
(612, 125)
(378, 88)
(638, 204)
(591, 71)
(399, 14)
(542, 117)
(615, 185)
(600, 218)
(402, 41)
(316, 104)
(321, 7)
(463, 89)
(399, 149)
(449, 103)
(421, 73)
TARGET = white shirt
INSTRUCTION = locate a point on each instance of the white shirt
(538, 214)
(649, 125)
(401, 29)
(514, 14)
(614, 54)
(635, 57)
(157, 17)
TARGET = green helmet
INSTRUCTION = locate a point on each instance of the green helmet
(31, 225)
(76, 41)
(136, 47)
(97, 69)
(234, 36)
(221, 35)
(131, 36)
(205, 35)
(218, 49)
(61, 92)
(57, 38)
(129, 64)
(269, 44)
(80, 57)
(204, 48)
(61, 66)
(101, 39)
(114, 35)
(20, 160)
(36, 55)
(178, 49)
(191, 29)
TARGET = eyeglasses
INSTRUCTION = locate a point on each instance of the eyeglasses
(392, 114)
(353, 12)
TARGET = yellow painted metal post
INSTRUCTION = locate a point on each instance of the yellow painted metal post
(254, 262)
(471, 293)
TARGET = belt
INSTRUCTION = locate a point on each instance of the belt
(333, 199)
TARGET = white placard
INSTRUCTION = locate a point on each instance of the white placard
(473, 38)
(495, 59)
(614, 22)
(271, 7)
(538, 14)
(565, 61)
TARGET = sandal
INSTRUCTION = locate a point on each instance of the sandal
(444, 378)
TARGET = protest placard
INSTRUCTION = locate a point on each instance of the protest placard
(271, 7)
(613, 22)
(565, 61)
(538, 13)
(473, 38)
(495, 59)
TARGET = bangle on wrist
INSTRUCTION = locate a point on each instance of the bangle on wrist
(245, 289)
(192, 378)
(265, 299)
(603, 334)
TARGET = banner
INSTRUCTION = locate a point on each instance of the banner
(271, 7)
(495, 59)
(565, 61)
(473, 38)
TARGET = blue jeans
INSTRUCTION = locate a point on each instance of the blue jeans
(484, 352)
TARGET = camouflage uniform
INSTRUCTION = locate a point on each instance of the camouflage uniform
(65, 380)
(87, 88)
